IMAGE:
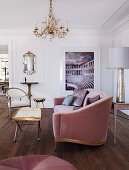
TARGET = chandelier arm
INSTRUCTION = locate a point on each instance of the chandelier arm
(43, 37)
(45, 31)
(59, 34)
(39, 34)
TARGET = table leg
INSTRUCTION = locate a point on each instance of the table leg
(43, 104)
(14, 139)
(19, 126)
(15, 135)
(36, 104)
(38, 130)
(29, 92)
(9, 112)
(115, 122)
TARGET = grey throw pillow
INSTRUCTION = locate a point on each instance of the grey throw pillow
(68, 100)
(79, 96)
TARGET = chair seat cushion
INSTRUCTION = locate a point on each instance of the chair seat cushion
(36, 162)
(54, 163)
(19, 103)
(7, 168)
(62, 108)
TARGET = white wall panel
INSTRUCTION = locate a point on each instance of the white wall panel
(48, 59)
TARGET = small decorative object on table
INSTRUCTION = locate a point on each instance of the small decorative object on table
(39, 100)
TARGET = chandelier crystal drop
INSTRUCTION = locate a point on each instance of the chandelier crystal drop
(50, 27)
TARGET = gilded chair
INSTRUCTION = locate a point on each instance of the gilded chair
(17, 98)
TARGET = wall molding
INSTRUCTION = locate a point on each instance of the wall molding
(122, 25)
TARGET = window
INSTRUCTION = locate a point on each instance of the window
(4, 69)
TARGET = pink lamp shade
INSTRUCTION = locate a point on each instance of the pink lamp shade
(118, 58)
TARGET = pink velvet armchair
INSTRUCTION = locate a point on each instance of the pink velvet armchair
(88, 125)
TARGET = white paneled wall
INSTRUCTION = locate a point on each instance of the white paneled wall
(48, 59)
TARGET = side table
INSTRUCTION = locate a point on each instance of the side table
(39, 100)
(29, 88)
(118, 106)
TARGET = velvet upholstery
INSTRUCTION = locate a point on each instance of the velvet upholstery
(92, 94)
(59, 108)
(92, 100)
(37, 162)
(58, 101)
(88, 124)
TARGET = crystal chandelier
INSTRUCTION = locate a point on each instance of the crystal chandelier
(50, 27)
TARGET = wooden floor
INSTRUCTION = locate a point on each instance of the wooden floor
(106, 157)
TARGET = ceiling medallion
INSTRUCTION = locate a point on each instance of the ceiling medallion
(50, 27)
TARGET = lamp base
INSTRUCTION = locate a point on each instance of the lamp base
(120, 87)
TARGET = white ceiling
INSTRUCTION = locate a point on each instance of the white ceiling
(80, 13)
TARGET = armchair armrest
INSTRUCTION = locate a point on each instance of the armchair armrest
(56, 119)
(9, 101)
(26, 95)
(58, 101)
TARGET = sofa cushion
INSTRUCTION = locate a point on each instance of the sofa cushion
(79, 96)
(63, 108)
(7, 168)
(68, 100)
(92, 100)
(36, 162)
(54, 163)
(91, 94)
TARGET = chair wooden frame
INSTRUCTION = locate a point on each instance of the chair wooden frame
(59, 140)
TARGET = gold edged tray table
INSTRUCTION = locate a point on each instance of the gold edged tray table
(27, 116)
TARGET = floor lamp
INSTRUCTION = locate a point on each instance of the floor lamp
(118, 58)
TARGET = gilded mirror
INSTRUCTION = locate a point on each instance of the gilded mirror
(29, 63)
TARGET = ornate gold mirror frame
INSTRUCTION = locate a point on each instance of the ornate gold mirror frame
(29, 63)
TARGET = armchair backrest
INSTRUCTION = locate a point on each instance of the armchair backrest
(15, 93)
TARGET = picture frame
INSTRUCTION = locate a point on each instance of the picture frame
(29, 63)
(63, 50)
